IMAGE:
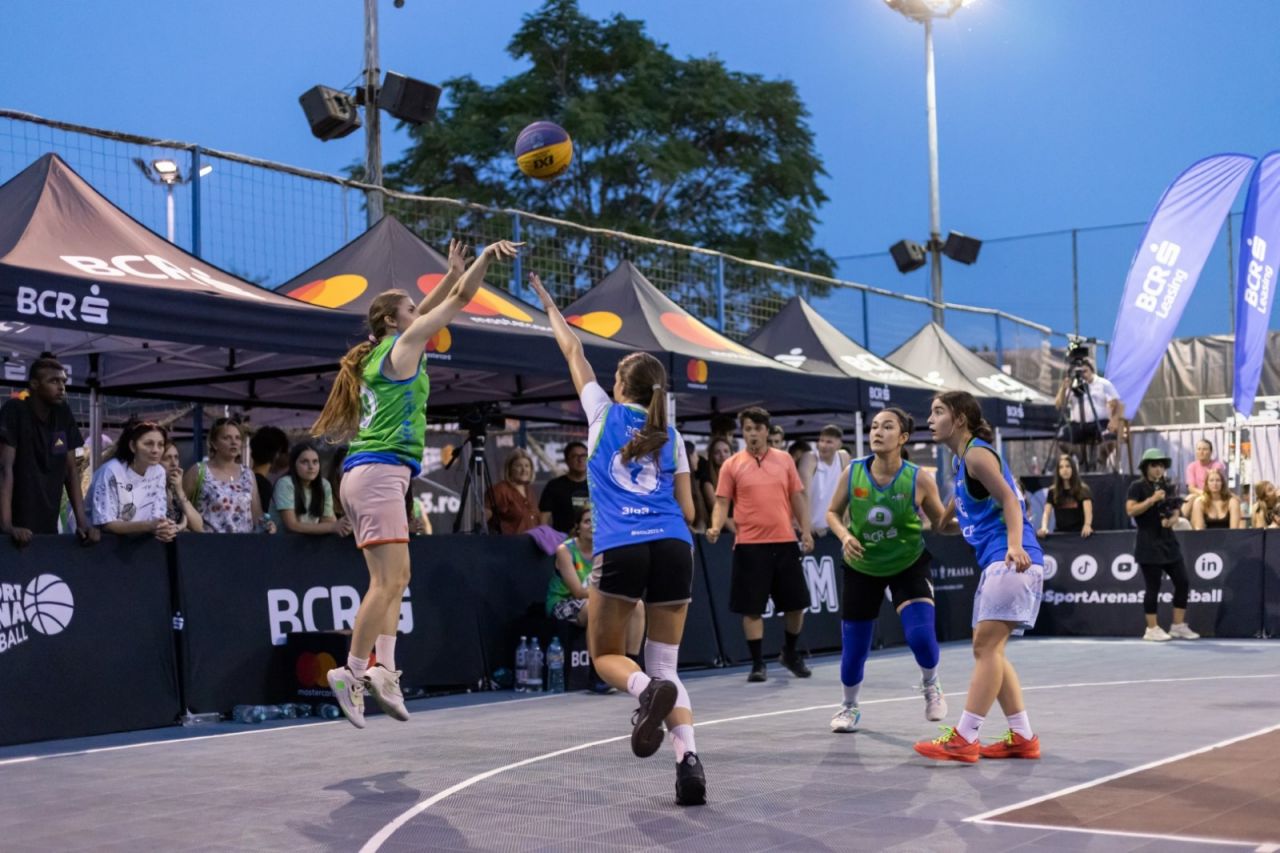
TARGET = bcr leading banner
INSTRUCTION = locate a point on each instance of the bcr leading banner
(1166, 268)
(1256, 278)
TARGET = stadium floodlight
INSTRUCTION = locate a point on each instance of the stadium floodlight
(167, 171)
(924, 12)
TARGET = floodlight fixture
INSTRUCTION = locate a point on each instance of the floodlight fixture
(925, 10)
(167, 171)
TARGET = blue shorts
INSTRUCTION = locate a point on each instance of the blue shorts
(1007, 595)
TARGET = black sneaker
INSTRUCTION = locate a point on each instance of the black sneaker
(656, 703)
(758, 672)
(691, 782)
(795, 663)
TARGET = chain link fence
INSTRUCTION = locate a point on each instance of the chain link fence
(267, 222)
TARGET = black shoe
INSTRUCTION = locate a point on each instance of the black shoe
(795, 663)
(758, 672)
(656, 703)
(691, 782)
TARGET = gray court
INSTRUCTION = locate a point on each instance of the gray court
(778, 779)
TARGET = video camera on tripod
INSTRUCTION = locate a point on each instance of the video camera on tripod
(476, 420)
(1077, 359)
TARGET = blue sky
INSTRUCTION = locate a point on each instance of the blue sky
(1053, 113)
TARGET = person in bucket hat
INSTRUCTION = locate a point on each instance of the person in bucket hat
(1156, 549)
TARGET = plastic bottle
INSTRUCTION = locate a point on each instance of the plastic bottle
(533, 683)
(555, 666)
(330, 712)
(522, 665)
(249, 713)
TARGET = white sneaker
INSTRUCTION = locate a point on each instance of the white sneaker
(1157, 635)
(846, 719)
(349, 692)
(384, 686)
(935, 701)
(1182, 631)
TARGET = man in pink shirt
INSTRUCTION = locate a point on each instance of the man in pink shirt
(1198, 470)
(768, 504)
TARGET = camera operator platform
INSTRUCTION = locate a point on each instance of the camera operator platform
(1090, 408)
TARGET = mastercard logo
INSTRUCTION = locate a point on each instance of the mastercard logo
(696, 370)
(606, 324)
(486, 303)
(312, 669)
(859, 492)
(440, 341)
(695, 332)
(332, 292)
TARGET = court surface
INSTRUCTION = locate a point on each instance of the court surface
(1196, 721)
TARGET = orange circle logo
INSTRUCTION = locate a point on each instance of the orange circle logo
(696, 332)
(312, 669)
(486, 302)
(440, 341)
(696, 370)
(333, 292)
(606, 324)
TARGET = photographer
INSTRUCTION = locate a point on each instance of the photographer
(1154, 506)
(1091, 401)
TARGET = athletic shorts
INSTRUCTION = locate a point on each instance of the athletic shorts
(764, 571)
(373, 497)
(567, 610)
(863, 593)
(659, 572)
(1007, 595)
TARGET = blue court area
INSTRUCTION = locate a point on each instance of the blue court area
(556, 772)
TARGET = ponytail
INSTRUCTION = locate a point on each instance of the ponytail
(340, 418)
(964, 404)
(644, 378)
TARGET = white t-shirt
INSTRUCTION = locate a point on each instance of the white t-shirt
(119, 493)
(1102, 392)
(595, 402)
(826, 477)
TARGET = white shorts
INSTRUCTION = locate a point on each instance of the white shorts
(1007, 595)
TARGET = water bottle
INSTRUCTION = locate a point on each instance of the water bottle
(249, 714)
(330, 712)
(555, 666)
(533, 683)
(522, 665)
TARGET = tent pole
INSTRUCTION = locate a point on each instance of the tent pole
(857, 422)
(95, 414)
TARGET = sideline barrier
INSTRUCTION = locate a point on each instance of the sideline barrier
(86, 638)
(1093, 586)
(92, 627)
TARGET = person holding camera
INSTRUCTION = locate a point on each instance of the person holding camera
(1154, 507)
(1091, 402)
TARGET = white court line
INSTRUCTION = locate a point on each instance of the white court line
(985, 816)
(375, 843)
(1192, 839)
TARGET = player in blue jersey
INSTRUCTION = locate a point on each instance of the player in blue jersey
(642, 503)
(988, 505)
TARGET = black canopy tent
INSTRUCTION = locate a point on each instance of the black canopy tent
(498, 350)
(944, 362)
(133, 315)
(709, 372)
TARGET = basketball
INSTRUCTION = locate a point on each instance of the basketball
(543, 150)
(48, 604)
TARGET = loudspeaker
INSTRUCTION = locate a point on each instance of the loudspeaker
(907, 255)
(408, 99)
(331, 114)
(961, 248)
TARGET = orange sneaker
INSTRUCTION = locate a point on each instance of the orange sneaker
(950, 747)
(1012, 745)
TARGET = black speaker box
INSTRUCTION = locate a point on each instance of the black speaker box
(331, 114)
(907, 255)
(961, 248)
(407, 99)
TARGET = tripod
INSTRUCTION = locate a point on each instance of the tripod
(1075, 431)
(476, 484)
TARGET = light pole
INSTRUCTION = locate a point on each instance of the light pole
(165, 171)
(924, 12)
(372, 128)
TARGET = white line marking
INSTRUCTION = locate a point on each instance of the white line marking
(985, 816)
(1183, 838)
(380, 838)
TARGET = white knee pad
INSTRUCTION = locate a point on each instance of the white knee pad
(660, 660)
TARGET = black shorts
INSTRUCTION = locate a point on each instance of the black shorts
(772, 569)
(660, 572)
(863, 593)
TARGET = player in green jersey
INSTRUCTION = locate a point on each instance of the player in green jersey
(379, 401)
(883, 495)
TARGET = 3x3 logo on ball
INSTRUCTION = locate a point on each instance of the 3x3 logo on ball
(44, 605)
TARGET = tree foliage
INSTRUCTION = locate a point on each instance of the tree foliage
(684, 150)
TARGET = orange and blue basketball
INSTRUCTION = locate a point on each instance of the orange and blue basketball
(543, 150)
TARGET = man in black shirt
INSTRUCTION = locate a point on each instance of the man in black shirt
(1157, 550)
(562, 497)
(38, 439)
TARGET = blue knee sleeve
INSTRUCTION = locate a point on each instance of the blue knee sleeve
(856, 647)
(922, 637)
